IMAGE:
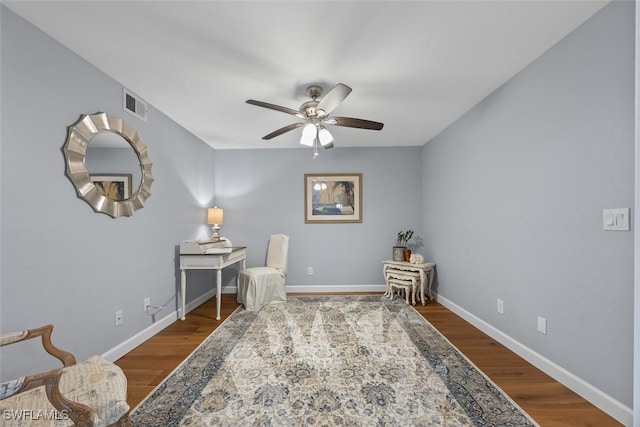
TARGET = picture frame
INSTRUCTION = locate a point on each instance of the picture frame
(113, 186)
(331, 198)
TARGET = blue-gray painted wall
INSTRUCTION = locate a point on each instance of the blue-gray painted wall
(262, 192)
(514, 193)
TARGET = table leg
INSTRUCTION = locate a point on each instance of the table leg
(244, 266)
(414, 289)
(218, 291)
(387, 291)
(183, 289)
(423, 283)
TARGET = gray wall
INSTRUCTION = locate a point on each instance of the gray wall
(262, 193)
(62, 263)
(513, 199)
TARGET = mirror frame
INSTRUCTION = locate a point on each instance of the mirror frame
(75, 149)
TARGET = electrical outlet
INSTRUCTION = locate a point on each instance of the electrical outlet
(117, 318)
(309, 271)
(500, 306)
(147, 304)
(542, 325)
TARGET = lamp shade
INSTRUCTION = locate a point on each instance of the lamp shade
(215, 215)
(325, 136)
(309, 132)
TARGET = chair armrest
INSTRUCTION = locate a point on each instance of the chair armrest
(65, 357)
(80, 414)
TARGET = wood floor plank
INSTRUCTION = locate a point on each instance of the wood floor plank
(547, 401)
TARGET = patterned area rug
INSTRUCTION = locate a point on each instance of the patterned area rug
(326, 361)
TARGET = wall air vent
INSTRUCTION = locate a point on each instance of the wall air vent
(134, 105)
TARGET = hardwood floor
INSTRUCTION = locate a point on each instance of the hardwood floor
(547, 401)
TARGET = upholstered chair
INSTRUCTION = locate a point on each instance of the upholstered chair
(92, 393)
(258, 286)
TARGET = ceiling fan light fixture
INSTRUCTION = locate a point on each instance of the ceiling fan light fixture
(325, 136)
(309, 132)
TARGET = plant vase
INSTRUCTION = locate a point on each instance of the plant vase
(400, 249)
(398, 253)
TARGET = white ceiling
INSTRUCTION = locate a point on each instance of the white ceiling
(416, 66)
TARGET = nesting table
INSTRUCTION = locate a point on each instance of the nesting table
(411, 278)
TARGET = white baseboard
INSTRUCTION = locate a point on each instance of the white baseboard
(336, 288)
(125, 347)
(313, 289)
(598, 398)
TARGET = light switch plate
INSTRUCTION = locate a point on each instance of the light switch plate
(542, 325)
(615, 219)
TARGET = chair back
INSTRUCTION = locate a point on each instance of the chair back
(277, 252)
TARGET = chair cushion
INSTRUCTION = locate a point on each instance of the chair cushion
(9, 387)
(12, 337)
(96, 382)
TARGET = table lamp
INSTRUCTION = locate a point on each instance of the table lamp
(215, 216)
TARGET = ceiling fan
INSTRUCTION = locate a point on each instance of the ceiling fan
(316, 114)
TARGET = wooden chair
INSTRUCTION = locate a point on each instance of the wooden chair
(92, 393)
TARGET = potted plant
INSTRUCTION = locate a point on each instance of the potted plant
(400, 249)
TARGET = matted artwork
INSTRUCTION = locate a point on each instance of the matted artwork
(113, 186)
(332, 198)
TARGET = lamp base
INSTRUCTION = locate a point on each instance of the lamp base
(216, 233)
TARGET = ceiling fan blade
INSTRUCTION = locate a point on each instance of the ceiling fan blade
(282, 130)
(333, 98)
(355, 123)
(275, 107)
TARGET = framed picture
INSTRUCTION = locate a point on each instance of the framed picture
(113, 186)
(332, 198)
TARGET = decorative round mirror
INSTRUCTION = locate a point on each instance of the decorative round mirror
(108, 165)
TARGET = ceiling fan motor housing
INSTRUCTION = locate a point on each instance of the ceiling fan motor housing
(309, 109)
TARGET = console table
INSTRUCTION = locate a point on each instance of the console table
(409, 276)
(213, 261)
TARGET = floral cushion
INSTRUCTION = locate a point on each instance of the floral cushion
(10, 387)
(12, 337)
(96, 382)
